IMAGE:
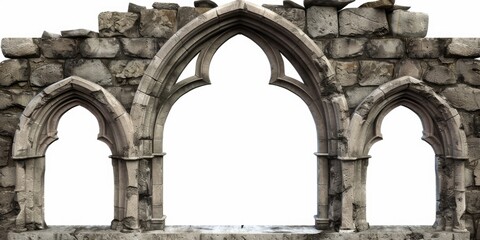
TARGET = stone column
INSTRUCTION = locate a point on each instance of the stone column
(130, 222)
(348, 177)
(158, 219)
(441, 190)
(459, 188)
(321, 219)
(360, 194)
(118, 211)
(20, 190)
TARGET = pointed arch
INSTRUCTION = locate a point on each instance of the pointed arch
(276, 36)
(442, 129)
(38, 129)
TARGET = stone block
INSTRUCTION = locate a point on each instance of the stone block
(375, 73)
(79, 33)
(134, 8)
(19, 48)
(464, 47)
(124, 95)
(13, 71)
(322, 21)
(468, 71)
(59, 48)
(327, 3)
(49, 35)
(124, 69)
(6, 201)
(22, 98)
(100, 48)
(187, 14)
(139, 47)
(7, 177)
(347, 47)
(90, 69)
(5, 150)
(158, 23)
(474, 155)
(408, 24)
(347, 73)
(441, 75)
(409, 67)
(46, 75)
(363, 22)
(463, 97)
(356, 95)
(205, 4)
(9, 119)
(386, 48)
(294, 15)
(6, 100)
(425, 47)
(167, 6)
(125, 24)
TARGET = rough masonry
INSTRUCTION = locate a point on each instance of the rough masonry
(357, 64)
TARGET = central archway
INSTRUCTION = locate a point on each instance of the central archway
(159, 88)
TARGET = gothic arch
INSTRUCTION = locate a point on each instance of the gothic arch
(38, 129)
(160, 88)
(442, 130)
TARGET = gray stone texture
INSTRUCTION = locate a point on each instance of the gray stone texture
(205, 4)
(125, 24)
(363, 21)
(375, 73)
(7, 177)
(347, 72)
(19, 47)
(139, 47)
(425, 47)
(46, 75)
(100, 48)
(409, 67)
(125, 69)
(79, 33)
(93, 70)
(408, 24)
(347, 47)
(167, 6)
(386, 48)
(327, 3)
(292, 4)
(441, 75)
(322, 21)
(158, 23)
(463, 97)
(187, 14)
(9, 119)
(6, 100)
(13, 71)
(464, 47)
(59, 48)
(468, 71)
(134, 8)
(5, 149)
(356, 95)
(6, 201)
(294, 15)
(49, 35)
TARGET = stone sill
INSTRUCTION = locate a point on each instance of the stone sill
(237, 232)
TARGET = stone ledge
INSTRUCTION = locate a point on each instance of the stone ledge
(238, 232)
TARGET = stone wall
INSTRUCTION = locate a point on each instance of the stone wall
(366, 47)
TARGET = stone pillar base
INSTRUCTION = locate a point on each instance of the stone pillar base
(158, 223)
(322, 223)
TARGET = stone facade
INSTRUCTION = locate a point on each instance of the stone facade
(362, 63)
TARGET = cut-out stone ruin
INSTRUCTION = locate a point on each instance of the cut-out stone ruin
(356, 65)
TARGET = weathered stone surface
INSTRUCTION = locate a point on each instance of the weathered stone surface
(134, 8)
(425, 47)
(59, 48)
(347, 47)
(6, 201)
(464, 47)
(5, 149)
(139, 47)
(374, 73)
(79, 33)
(9, 119)
(441, 75)
(322, 21)
(409, 67)
(347, 73)
(7, 177)
(327, 3)
(408, 24)
(13, 71)
(49, 35)
(474, 154)
(363, 21)
(19, 48)
(463, 97)
(123, 24)
(124, 95)
(292, 4)
(167, 6)
(21, 97)
(125, 69)
(294, 15)
(473, 201)
(356, 95)
(468, 71)
(386, 48)
(380, 4)
(205, 4)
(93, 70)
(187, 14)
(6, 100)
(46, 75)
(157, 23)
(100, 48)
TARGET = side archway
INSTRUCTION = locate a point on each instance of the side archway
(442, 129)
(38, 129)
(160, 87)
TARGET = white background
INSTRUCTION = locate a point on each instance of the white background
(239, 151)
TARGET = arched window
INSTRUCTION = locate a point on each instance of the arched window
(401, 173)
(78, 174)
(239, 150)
